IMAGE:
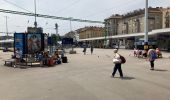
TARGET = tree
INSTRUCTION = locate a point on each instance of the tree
(55, 38)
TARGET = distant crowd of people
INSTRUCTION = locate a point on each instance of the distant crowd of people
(44, 57)
(144, 53)
(85, 49)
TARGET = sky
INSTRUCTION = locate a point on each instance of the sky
(96, 10)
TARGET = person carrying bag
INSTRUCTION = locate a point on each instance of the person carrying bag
(117, 61)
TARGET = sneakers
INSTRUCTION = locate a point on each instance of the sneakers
(112, 75)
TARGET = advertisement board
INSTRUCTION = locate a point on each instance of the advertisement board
(34, 43)
(19, 42)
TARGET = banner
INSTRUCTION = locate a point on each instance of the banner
(34, 43)
(19, 42)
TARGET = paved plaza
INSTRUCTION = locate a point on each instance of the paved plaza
(87, 77)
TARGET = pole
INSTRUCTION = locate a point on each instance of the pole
(6, 26)
(35, 23)
(57, 35)
(56, 27)
(106, 33)
(6, 21)
(146, 26)
(70, 24)
(71, 32)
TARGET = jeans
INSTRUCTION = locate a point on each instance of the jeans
(152, 63)
(117, 67)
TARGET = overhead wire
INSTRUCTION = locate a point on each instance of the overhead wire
(17, 6)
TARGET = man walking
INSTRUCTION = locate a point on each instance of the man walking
(84, 49)
(117, 62)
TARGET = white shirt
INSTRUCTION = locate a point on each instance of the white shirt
(116, 58)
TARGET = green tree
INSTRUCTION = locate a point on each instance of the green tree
(55, 38)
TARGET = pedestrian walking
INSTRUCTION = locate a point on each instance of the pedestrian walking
(117, 62)
(84, 48)
(91, 49)
(152, 56)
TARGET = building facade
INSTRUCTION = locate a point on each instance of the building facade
(166, 18)
(127, 29)
(111, 26)
(92, 32)
(134, 22)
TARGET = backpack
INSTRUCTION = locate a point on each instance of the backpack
(123, 60)
(153, 56)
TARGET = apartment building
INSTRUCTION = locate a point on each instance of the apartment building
(166, 17)
(111, 24)
(134, 22)
(126, 29)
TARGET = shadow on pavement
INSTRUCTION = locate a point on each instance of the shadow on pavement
(127, 78)
(161, 70)
(124, 78)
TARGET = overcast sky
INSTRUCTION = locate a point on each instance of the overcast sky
(96, 10)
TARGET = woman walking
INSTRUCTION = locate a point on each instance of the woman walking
(117, 62)
(152, 56)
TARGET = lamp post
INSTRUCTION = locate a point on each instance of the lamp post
(146, 26)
